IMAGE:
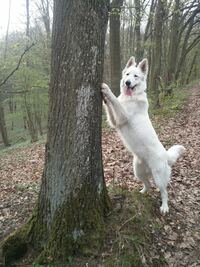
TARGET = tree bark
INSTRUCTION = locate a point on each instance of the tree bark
(73, 201)
(30, 121)
(7, 31)
(193, 64)
(148, 35)
(174, 43)
(3, 129)
(115, 57)
(157, 54)
(32, 128)
(44, 9)
(138, 50)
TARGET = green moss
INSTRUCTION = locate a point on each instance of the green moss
(78, 227)
(171, 104)
(14, 246)
(17, 243)
(36, 230)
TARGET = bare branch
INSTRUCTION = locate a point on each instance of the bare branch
(192, 45)
(18, 92)
(18, 64)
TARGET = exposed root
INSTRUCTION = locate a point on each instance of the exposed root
(14, 246)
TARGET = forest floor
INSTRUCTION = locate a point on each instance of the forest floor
(177, 234)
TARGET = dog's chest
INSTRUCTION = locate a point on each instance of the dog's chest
(133, 108)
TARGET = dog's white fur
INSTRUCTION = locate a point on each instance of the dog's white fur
(128, 114)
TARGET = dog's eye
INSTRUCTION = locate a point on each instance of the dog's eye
(135, 76)
(127, 74)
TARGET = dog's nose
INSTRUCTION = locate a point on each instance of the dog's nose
(128, 82)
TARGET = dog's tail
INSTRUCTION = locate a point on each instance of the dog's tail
(174, 153)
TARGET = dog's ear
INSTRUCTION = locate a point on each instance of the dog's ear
(131, 62)
(143, 65)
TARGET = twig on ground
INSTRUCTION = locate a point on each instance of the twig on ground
(130, 219)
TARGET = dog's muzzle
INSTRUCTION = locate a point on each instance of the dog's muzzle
(128, 83)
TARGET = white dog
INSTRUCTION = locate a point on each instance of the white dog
(128, 114)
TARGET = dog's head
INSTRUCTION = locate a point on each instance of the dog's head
(134, 77)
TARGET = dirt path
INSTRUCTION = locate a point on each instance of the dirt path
(178, 233)
(182, 233)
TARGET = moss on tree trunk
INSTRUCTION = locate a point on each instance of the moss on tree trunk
(77, 228)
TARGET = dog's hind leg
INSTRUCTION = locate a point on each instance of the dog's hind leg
(146, 186)
(142, 172)
(164, 195)
(162, 177)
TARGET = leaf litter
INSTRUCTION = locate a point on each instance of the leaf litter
(178, 234)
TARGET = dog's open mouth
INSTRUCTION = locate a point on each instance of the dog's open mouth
(130, 90)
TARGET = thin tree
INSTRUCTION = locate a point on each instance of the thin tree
(115, 51)
(138, 50)
(29, 114)
(44, 9)
(3, 128)
(173, 42)
(7, 30)
(73, 201)
(157, 53)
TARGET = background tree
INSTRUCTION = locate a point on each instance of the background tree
(157, 53)
(3, 128)
(173, 42)
(31, 125)
(73, 200)
(115, 51)
(138, 48)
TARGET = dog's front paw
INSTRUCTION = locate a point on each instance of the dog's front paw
(106, 92)
(105, 87)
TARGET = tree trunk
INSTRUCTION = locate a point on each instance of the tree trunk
(130, 42)
(7, 31)
(44, 9)
(11, 109)
(138, 50)
(115, 57)
(157, 54)
(29, 114)
(193, 63)
(30, 121)
(122, 41)
(73, 201)
(3, 129)
(174, 43)
(148, 35)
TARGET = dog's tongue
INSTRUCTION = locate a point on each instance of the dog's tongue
(129, 91)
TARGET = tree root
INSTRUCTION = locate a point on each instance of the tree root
(14, 246)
